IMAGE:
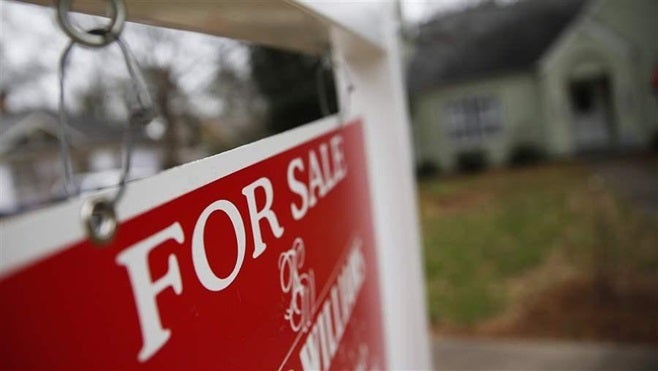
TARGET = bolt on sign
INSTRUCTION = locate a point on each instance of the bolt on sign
(265, 263)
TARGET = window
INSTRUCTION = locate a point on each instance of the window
(473, 118)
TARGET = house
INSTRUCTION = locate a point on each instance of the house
(560, 77)
(31, 171)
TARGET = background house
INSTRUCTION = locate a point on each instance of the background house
(559, 77)
(31, 172)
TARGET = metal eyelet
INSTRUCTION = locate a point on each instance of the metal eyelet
(93, 39)
(99, 220)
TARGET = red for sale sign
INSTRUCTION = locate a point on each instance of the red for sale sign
(270, 267)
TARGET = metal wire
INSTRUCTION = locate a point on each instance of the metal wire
(64, 139)
(98, 215)
(336, 65)
(142, 113)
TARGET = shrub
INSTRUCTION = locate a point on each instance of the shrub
(526, 154)
(654, 142)
(426, 169)
(472, 161)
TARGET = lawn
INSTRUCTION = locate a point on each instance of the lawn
(505, 249)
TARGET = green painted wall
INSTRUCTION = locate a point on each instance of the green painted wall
(520, 122)
(613, 38)
(617, 39)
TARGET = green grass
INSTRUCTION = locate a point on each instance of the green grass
(480, 232)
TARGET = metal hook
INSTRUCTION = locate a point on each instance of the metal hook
(98, 214)
(92, 39)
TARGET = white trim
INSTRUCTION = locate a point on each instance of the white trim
(568, 31)
(301, 25)
(355, 17)
(369, 43)
(31, 237)
(379, 98)
(609, 37)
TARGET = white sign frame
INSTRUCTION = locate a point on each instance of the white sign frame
(365, 36)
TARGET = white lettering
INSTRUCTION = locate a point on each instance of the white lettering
(340, 168)
(145, 290)
(310, 353)
(335, 307)
(299, 188)
(330, 181)
(199, 258)
(321, 346)
(329, 338)
(315, 180)
(264, 213)
(323, 175)
(322, 340)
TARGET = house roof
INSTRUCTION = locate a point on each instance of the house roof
(487, 39)
(82, 130)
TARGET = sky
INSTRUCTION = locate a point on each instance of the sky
(30, 36)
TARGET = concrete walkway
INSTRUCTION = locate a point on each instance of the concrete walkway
(451, 354)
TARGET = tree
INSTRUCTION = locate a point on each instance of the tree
(242, 106)
(13, 78)
(155, 50)
(289, 83)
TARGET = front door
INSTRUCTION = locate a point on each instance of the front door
(591, 114)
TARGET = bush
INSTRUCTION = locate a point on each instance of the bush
(654, 142)
(427, 169)
(526, 154)
(472, 161)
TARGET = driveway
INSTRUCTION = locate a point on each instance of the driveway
(453, 354)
